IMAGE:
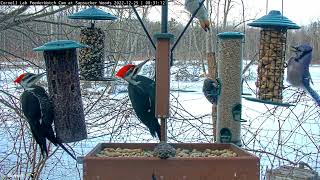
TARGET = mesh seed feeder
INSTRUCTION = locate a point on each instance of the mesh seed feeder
(64, 88)
(92, 59)
(229, 75)
(271, 64)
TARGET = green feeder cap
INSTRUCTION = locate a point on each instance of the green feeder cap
(59, 45)
(92, 13)
(163, 36)
(231, 35)
(274, 19)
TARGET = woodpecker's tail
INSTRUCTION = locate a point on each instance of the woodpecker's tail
(313, 93)
(66, 150)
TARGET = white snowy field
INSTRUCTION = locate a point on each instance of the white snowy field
(278, 135)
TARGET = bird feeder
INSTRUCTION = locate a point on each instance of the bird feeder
(91, 59)
(271, 63)
(64, 88)
(229, 75)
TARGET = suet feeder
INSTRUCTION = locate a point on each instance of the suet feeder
(64, 88)
(229, 74)
(91, 60)
(271, 63)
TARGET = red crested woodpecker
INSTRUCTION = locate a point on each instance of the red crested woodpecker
(142, 96)
(38, 110)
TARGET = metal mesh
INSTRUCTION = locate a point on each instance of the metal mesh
(91, 59)
(271, 64)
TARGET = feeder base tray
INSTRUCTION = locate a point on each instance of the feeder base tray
(244, 166)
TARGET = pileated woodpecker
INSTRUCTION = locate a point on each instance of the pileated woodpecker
(38, 110)
(142, 96)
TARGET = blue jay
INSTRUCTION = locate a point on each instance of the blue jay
(298, 74)
(211, 90)
(202, 15)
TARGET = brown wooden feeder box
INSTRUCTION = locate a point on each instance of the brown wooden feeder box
(271, 63)
(64, 88)
(244, 166)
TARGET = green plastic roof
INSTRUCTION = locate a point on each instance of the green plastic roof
(59, 45)
(92, 13)
(274, 19)
(231, 35)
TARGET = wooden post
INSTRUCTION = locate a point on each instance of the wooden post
(64, 89)
(212, 74)
(163, 81)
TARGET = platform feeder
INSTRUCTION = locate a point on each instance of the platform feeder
(92, 60)
(64, 88)
(271, 62)
(229, 75)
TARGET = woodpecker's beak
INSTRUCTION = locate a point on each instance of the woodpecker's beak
(138, 67)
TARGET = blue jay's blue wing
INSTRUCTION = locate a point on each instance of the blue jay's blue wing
(298, 73)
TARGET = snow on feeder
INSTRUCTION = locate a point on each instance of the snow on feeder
(64, 88)
(271, 64)
(229, 75)
(91, 59)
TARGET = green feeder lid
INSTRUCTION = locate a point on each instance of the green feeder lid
(92, 13)
(231, 35)
(59, 45)
(274, 19)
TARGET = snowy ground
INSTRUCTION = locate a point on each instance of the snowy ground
(298, 138)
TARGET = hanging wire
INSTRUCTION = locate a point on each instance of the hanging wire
(267, 3)
(282, 8)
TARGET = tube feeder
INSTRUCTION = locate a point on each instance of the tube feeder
(271, 63)
(91, 59)
(64, 88)
(229, 75)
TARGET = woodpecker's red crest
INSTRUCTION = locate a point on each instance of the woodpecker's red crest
(19, 78)
(122, 72)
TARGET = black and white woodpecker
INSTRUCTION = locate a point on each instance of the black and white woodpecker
(142, 96)
(38, 110)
